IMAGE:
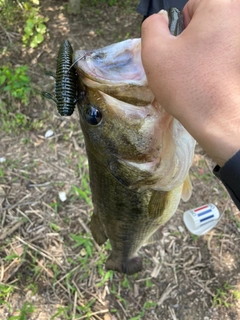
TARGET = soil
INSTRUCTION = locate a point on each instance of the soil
(185, 277)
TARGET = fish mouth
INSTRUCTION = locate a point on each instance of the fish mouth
(120, 62)
(116, 70)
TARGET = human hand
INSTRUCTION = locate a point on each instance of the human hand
(196, 75)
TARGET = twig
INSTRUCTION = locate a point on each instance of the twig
(93, 314)
(165, 294)
(10, 230)
(74, 305)
(2, 271)
(50, 273)
(121, 306)
(172, 312)
(16, 204)
(79, 292)
(201, 286)
(55, 166)
(65, 276)
(41, 251)
(40, 184)
(92, 294)
(9, 39)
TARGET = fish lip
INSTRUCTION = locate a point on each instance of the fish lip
(119, 63)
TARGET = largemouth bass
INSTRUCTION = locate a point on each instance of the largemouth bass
(139, 155)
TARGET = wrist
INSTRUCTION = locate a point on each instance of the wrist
(221, 144)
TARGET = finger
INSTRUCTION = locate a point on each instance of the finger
(157, 51)
(155, 38)
(155, 26)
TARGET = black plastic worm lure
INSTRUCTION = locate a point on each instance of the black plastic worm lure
(65, 87)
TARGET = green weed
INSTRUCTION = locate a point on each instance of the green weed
(5, 291)
(147, 305)
(225, 296)
(83, 193)
(54, 227)
(235, 220)
(35, 27)
(33, 287)
(15, 83)
(55, 270)
(85, 309)
(62, 311)
(15, 91)
(26, 310)
(55, 205)
(86, 243)
(194, 237)
(108, 276)
(125, 283)
(148, 283)
(11, 13)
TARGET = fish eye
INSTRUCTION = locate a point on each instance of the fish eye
(92, 115)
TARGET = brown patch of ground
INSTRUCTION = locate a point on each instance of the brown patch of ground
(49, 261)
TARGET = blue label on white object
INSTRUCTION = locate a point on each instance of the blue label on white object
(207, 215)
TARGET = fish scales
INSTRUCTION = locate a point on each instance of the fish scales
(139, 156)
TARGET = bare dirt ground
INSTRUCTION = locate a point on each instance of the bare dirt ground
(49, 263)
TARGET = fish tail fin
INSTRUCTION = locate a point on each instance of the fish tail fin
(130, 266)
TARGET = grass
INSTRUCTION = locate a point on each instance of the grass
(226, 296)
(50, 264)
(236, 220)
(24, 312)
(5, 291)
(15, 90)
(147, 305)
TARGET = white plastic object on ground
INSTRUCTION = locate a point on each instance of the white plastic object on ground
(202, 219)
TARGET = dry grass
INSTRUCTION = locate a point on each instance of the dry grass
(50, 266)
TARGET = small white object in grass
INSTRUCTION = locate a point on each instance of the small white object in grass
(2, 159)
(49, 133)
(62, 196)
(180, 228)
(202, 219)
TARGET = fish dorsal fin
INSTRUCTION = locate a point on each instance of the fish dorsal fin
(186, 189)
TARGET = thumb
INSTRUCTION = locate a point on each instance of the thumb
(154, 30)
(156, 45)
(156, 21)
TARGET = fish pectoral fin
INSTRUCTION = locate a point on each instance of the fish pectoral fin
(186, 189)
(158, 203)
(163, 204)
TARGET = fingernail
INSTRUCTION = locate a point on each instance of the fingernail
(164, 14)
